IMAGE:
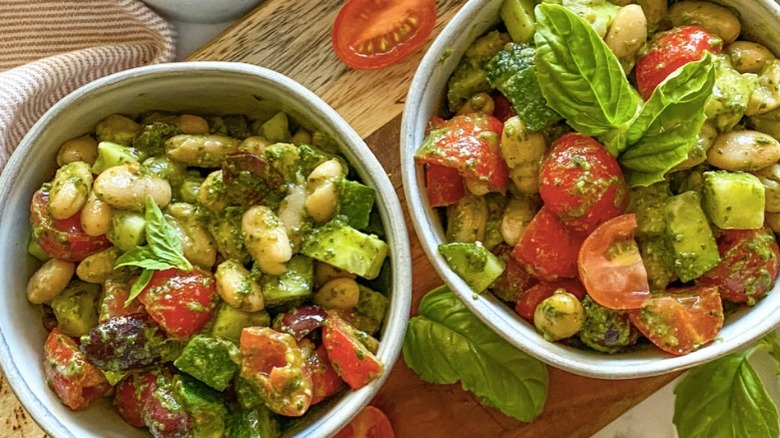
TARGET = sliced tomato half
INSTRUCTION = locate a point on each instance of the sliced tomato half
(611, 267)
(369, 423)
(547, 248)
(682, 320)
(350, 358)
(444, 184)
(371, 34)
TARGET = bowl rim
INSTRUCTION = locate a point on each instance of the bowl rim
(369, 168)
(437, 62)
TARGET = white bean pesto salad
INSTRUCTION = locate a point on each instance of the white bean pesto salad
(212, 275)
(610, 170)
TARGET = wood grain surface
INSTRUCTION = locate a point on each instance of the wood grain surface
(293, 38)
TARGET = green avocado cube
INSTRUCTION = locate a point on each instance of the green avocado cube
(477, 266)
(734, 200)
(213, 361)
(344, 247)
(355, 203)
(252, 423)
(292, 287)
(229, 322)
(76, 308)
(204, 406)
(690, 236)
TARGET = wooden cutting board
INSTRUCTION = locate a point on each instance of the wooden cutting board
(293, 38)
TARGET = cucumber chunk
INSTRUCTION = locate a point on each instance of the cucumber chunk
(477, 266)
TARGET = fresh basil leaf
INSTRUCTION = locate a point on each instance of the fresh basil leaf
(581, 78)
(724, 398)
(162, 238)
(669, 124)
(139, 285)
(769, 342)
(142, 257)
(446, 343)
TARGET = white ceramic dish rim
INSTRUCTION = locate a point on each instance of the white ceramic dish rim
(342, 409)
(423, 98)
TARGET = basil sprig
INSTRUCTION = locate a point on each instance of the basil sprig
(726, 398)
(162, 251)
(446, 343)
(582, 80)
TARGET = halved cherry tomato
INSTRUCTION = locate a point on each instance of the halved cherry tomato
(325, 381)
(748, 268)
(680, 321)
(62, 239)
(527, 303)
(371, 34)
(126, 402)
(582, 183)
(350, 358)
(444, 185)
(547, 248)
(181, 302)
(369, 423)
(77, 382)
(515, 279)
(116, 290)
(273, 364)
(611, 267)
(470, 144)
(670, 51)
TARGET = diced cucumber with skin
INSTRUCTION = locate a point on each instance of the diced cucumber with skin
(689, 233)
(734, 200)
(213, 361)
(477, 266)
(76, 308)
(355, 203)
(518, 16)
(229, 322)
(276, 129)
(346, 248)
(292, 287)
(113, 154)
(127, 230)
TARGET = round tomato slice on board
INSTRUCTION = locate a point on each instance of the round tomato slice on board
(611, 267)
(582, 183)
(62, 239)
(680, 321)
(670, 51)
(369, 423)
(748, 268)
(547, 248)
(371, 34)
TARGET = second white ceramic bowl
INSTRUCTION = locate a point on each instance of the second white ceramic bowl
(761, 20)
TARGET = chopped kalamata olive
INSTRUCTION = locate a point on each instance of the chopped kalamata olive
(249, 177)
(125, 342)
(301, 321)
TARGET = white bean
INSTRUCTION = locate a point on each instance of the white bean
(324, 272)
(467, 219)
(97, 267)
(96, 216)
(523, 152)
(196, 242)
(626, 34)
(300, 137)
(200, 150)
(744, 151)
(517, 215)
(69, 189)
(712, 17)
(254, 145)
(212, 192)
(124, 187)
(190, 124)
(477, 187)
(236, 287)
(748, 57)
(82, 148)
(266, 240)
(49, 280)
(339, 293)
(321, 191)
(655, 11)
(292, 213)
(766, 96)
(478, 103)
(773, 221)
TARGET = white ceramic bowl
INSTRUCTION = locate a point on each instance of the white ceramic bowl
(427, 92)
(203, 11)
(199, 87)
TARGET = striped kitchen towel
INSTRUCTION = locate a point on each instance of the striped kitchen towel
(50, 48)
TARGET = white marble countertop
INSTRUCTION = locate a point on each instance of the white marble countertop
(650, 419)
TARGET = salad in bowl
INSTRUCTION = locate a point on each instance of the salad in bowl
(598, 179)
